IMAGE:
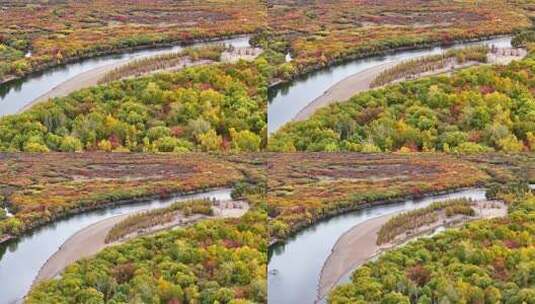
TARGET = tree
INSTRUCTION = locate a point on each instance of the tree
(35, 147)
(105, 145)
(245, 141)
(510, 144)
(171, 144)
(210, 141)
(395, 298)
(71, 144)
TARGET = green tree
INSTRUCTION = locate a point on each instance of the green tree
(71, 144)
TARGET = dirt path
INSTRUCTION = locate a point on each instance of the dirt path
(344, 89)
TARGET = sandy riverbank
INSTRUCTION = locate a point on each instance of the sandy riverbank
(344, 89)
(80, 81)
(362, 81)
(351, 250)
(92, 239)
(359, 244)
(84, 243)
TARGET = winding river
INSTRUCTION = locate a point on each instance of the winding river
(21, 259)
(17, 94)
(286, 100)
(294, 267)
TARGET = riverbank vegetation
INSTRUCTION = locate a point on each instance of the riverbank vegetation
(410, 220)
(149, 219)
(411, 68)
(39, 188)
(484, 262)
(307, 187)
(177, 60)
(35, 35)
(318, 34)
(475, 110)
(205, 108)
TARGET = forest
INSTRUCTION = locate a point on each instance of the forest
(35, 35)
(479, 109)
(488, 261)
(203, 108)
(213, 261)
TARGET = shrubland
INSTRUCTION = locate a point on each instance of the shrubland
(40, 188)
(321, 33)
(305, 188)
(35, 35)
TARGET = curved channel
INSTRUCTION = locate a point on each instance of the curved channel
(295, 267)
(17, 94)
(21, 259)
(286, 100)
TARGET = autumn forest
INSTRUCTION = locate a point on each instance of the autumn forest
(279, 151)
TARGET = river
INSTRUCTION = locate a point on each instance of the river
(286, 100)
(294, 267)
(15, 95)
(21, 259)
